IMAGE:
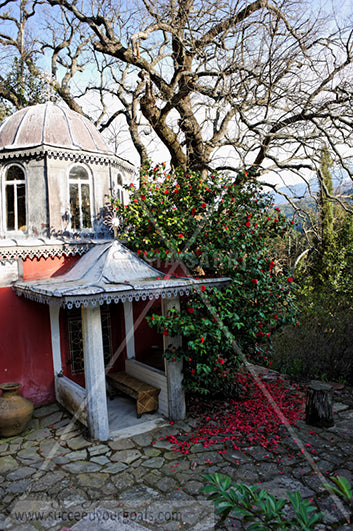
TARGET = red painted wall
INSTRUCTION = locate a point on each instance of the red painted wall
(25, 338)
(25, 346)
(118, 336)
(145, 336)
(46, 267)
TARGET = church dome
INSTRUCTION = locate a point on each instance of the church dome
(53, 125)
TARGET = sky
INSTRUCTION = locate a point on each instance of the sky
(343, 10)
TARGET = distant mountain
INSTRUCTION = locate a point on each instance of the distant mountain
(298, 190)
(301, 192)
(305, 201)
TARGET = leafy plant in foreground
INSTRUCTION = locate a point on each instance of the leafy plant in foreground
(257, 507)
(343, 489)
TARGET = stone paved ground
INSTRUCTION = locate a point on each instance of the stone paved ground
(53, 475)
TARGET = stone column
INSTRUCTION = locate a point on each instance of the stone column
(54, 311)
(97, 410)
(129, 329)
(174, 369)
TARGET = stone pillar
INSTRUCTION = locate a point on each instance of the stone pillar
(129, 329)
(54, 311)
(174, 369)
(97, 410)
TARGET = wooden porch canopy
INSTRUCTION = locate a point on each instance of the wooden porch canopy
(107, 273)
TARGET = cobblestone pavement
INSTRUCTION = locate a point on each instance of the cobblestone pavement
(53, 476)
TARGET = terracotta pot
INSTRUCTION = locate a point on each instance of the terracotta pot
(15, 410)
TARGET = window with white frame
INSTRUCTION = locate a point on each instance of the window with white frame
(80, 198)
(15, 199)
(119, 188)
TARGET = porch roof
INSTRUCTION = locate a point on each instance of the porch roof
(110, 273)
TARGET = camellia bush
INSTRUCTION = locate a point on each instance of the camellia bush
(212, 226)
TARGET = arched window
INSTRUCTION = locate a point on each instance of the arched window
(15, 199)
(80, 204)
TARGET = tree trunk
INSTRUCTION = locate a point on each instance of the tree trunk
(319, 405)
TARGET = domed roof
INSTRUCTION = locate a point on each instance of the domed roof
(52, 125)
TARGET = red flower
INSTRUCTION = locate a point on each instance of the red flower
(290, 279)
(139, 252)
(202, 339)
(180, 235)
(271, 265)
(248, 223)
(204, 205)
(193, 210)
(193, 372)
(165, 333)
(143, 197)
(275, 316)
(260, 334)
(254, 281)
(191, 310)
(166, 191)
(202, 288)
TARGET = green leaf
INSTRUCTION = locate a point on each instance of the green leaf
(342, 488)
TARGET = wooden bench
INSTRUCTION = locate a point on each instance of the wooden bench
(146, 395)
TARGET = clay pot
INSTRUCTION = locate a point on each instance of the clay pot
(15, 410)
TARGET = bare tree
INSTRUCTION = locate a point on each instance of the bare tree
(227, 84)
(17, 51)
(30, 32)
(221, 85)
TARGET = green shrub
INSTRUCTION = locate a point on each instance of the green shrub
(322, 345)
(213, 226)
